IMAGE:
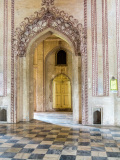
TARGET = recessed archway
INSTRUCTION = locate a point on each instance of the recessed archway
(48, 21)
(43, 102)
(52, 69)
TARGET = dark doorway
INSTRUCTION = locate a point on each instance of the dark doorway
(61, 57)
(3, 115)
(97, 117)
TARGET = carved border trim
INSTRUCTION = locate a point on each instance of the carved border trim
(85, 72)
(12, 61)
(94, 48)
(5, 48)
(104, 48)
(118, 42)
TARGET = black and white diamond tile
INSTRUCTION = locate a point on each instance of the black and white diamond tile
(44, 141)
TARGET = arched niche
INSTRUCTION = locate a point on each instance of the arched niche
(3, 114)
(52, 70)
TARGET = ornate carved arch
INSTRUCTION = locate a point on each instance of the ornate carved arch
(48, 18)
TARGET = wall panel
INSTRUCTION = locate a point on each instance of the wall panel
(3, 46)
(100, 61)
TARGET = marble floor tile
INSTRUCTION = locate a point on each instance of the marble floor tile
(58, 140)
(22, 155)
(83, 158)
(36, 156)
(40, 151)
(51, 157)
(13, 150)
(67, 152)
(31, 146)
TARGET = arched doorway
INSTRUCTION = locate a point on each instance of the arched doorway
(47, 21)
(45, 55)
(61, 93)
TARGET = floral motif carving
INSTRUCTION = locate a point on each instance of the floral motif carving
(48, 18)
(85, 72)
(47, 2)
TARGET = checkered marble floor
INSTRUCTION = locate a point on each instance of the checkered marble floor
(46, 141)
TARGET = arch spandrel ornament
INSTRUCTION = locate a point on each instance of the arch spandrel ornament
(49, 17)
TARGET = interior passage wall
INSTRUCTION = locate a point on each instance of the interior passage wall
(45, 70)
(52, 70)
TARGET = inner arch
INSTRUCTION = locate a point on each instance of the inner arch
(45, 34)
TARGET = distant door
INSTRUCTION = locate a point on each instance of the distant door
(61, 92)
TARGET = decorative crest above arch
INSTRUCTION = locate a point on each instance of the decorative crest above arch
(49, 18)
(47, 3)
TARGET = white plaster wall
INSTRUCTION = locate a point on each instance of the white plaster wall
(76, 86)
(114, 63)
(1, 34)
(107, 103)
(117, 111)
(6, 101)
(24, 8)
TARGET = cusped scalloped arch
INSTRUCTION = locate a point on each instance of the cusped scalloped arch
(49, 18)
